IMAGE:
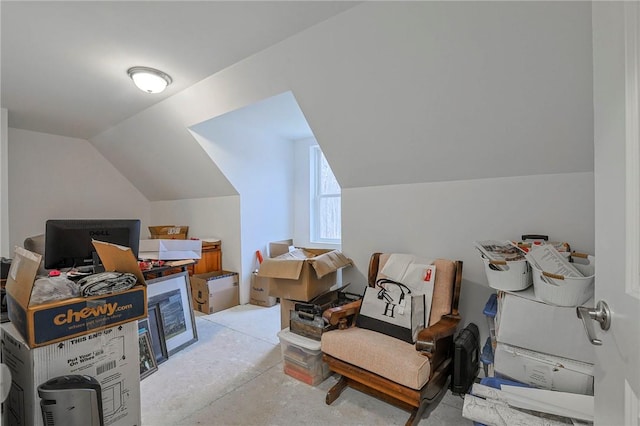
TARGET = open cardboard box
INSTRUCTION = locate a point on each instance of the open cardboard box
(304, 273)
(169, 232)
(62, 319)
(277, 248)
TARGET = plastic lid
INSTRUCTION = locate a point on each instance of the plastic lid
(491, 308)
(497, 382)
(298, 340)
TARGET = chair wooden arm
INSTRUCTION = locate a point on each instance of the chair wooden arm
(340, 314)
(428, 337)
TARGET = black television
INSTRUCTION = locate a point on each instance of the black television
(67, 242)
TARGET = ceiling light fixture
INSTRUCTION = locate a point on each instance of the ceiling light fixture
(149, 80)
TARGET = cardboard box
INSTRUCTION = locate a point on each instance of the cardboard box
(542, 370)
(161, 249)
(286, 306)
(110, 356)
(259, 294)
(277, 248)
(169, 232)
(526, 322)
(62, 319)
(303, 273)
(215, 291)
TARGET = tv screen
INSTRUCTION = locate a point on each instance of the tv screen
(68, 241)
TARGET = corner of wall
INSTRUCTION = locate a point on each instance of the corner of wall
(4, 183)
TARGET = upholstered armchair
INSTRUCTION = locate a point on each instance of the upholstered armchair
(406, 375)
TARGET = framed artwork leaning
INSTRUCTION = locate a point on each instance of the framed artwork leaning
(153, 324)
(170, 298)
(148, 363)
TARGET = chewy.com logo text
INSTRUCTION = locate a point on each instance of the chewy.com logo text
(72, 316)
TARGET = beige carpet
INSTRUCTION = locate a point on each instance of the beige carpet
(233, 376)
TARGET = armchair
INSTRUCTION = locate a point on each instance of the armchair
(406, 375)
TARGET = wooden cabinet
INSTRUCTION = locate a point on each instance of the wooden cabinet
(211, 259)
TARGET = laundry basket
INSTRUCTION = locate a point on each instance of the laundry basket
(514, 275)
(566, 291)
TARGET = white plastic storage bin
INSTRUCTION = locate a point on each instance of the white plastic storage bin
(566, 291)
(302, 358)
(508, 275)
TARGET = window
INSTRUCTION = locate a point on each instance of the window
(325, 201)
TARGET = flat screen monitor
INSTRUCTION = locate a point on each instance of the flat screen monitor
(68, 241)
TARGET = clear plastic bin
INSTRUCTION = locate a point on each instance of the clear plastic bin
(302, 358)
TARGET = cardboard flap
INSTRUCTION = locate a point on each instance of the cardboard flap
(329, 262)
(22, 274)
(118, 258)
(287, 266)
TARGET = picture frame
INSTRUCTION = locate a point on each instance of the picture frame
(153, 324)
(172, 295)
(148, 364)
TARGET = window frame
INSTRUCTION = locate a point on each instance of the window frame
(316, 156)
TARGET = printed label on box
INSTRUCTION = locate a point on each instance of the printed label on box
(84, 316)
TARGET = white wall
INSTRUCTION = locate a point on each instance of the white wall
(260, 167)
(55, 177)
(444, 219)
(4, 184)
(428, 91)
(302, 168)
(206, 217)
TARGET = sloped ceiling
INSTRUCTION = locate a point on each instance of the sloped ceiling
(64, 63)
(395, 93)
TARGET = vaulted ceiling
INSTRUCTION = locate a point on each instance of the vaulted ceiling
(63, 64)
(395, 92)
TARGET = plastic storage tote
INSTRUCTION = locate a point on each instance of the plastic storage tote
(302, 358)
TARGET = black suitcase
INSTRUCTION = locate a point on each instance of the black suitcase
(466, 359)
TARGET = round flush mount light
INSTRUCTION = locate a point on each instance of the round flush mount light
(149, 80)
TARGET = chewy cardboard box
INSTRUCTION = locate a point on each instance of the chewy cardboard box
(59, 320)
(162, 249)
(169, 232)
(526, 322)
(259, 294)
(111, 356)
(215, 291)
(542, 370)
(303, 273)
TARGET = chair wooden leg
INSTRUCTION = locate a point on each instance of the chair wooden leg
(336, 390)
(416, 415)
(426, 405)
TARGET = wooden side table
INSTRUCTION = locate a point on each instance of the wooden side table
(211, 259)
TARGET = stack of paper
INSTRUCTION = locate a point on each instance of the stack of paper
(514, 405)
(500, 250)
(547, 259)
